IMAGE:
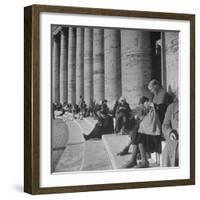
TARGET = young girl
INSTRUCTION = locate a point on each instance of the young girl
(145, 136)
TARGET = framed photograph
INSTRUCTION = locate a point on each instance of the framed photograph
(109, 99)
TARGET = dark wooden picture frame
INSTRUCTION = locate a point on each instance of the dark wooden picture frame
(32, 94)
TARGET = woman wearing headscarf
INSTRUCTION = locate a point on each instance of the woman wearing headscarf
(122, 116)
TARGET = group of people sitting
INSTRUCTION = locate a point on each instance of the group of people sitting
(148, 124)
(81, 109)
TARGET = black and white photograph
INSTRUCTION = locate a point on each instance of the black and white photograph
(114, 99)
(109, 99)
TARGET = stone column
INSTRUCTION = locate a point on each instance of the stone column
(55, 69)
(88, 62)
(136, 64)
(171, 47)
(98, 64)
(79, 64)
(72, 65)
(63, 65)
(112, 56)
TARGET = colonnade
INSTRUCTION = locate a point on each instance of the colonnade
(100, 64)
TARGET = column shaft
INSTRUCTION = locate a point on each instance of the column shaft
(88, 62)
(98, 64)
(63, 65)
(79, 64)
(112, 56)
(55, 69)
(136, 64)
(71, 65)
(171, 55)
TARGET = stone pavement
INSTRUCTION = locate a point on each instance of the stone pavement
(114, 144)
(96, 156)
(72, 156)
(71, 159)
(81, 155)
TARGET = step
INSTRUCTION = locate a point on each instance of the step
(72, 156)
(85, 127)
(91, 121)
(60, 136)
(75, 132)
(114, 144)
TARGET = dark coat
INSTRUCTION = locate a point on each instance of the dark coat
(103, 126)
(170, 152)
(123, 109)
(161, 100)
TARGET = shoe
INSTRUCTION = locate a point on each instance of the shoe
(130, 164)
(142, 165)
(123, 152)
(85, 136)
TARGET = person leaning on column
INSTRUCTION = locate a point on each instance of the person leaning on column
(160, 98)
(171, 134)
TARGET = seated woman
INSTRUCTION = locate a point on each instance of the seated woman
(147, 137)
(134, 123)
(122, 115)
(170, 131)
(103, 126)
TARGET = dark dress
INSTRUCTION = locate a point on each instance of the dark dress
(151, 143)
(103, 126)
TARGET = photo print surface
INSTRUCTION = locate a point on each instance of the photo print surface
(114, 99)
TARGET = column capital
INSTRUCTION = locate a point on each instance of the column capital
(56, 30)
(64, 30)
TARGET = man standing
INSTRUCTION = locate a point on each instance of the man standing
(170, 130)
(160, 98)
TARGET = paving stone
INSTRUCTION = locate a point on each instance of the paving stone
(56, 154)
(96, 156)
(71, 159)
(60, 136)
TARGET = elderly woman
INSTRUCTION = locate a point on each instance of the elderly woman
(146, 136)
(136, 114)
(170, 130)
(122, 116)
